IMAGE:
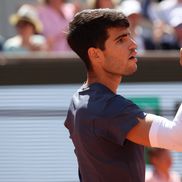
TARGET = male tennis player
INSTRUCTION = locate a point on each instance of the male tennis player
(109, 132)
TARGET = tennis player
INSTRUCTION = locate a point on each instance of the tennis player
(109, 132)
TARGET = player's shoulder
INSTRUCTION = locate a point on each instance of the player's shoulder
(121, 101)
(117, 104)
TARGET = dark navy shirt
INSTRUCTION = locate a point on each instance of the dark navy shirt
(98, 121)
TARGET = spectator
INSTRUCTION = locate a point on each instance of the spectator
(149, 9)
(161, 161)
(176, 22)
(27, 26)
(133, 10)
(166, 26)
(55, 16)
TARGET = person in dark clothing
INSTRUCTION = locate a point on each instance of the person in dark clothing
(109, 132)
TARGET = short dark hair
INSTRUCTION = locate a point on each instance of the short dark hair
(89, 29)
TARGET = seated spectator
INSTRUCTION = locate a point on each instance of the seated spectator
(27, 26)
(55, 16)
(161, 162)
(175, 21)
(168, 12)
(133, 10)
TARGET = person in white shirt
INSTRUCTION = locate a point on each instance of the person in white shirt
(28, 31)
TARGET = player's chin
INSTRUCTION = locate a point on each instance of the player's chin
(131, 70)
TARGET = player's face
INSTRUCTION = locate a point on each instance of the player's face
(120, 52)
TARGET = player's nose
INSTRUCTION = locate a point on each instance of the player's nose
(133, 44)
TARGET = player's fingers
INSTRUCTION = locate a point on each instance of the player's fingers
(181, 56)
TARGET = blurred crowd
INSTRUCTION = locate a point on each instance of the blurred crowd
(42, 26)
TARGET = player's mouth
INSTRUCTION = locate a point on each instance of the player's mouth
(133, 58)
(133, 55)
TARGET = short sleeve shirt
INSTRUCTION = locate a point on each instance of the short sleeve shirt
(98, 121)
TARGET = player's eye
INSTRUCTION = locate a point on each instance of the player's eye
(120, 40)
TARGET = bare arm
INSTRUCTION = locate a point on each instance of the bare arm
(140, 133)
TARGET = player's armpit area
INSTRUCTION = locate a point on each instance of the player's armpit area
(140, 133)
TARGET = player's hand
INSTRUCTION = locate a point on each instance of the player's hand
(181, 56)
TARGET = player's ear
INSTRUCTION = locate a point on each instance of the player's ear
(94, 54)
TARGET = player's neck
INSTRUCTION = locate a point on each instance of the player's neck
(110, 81)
